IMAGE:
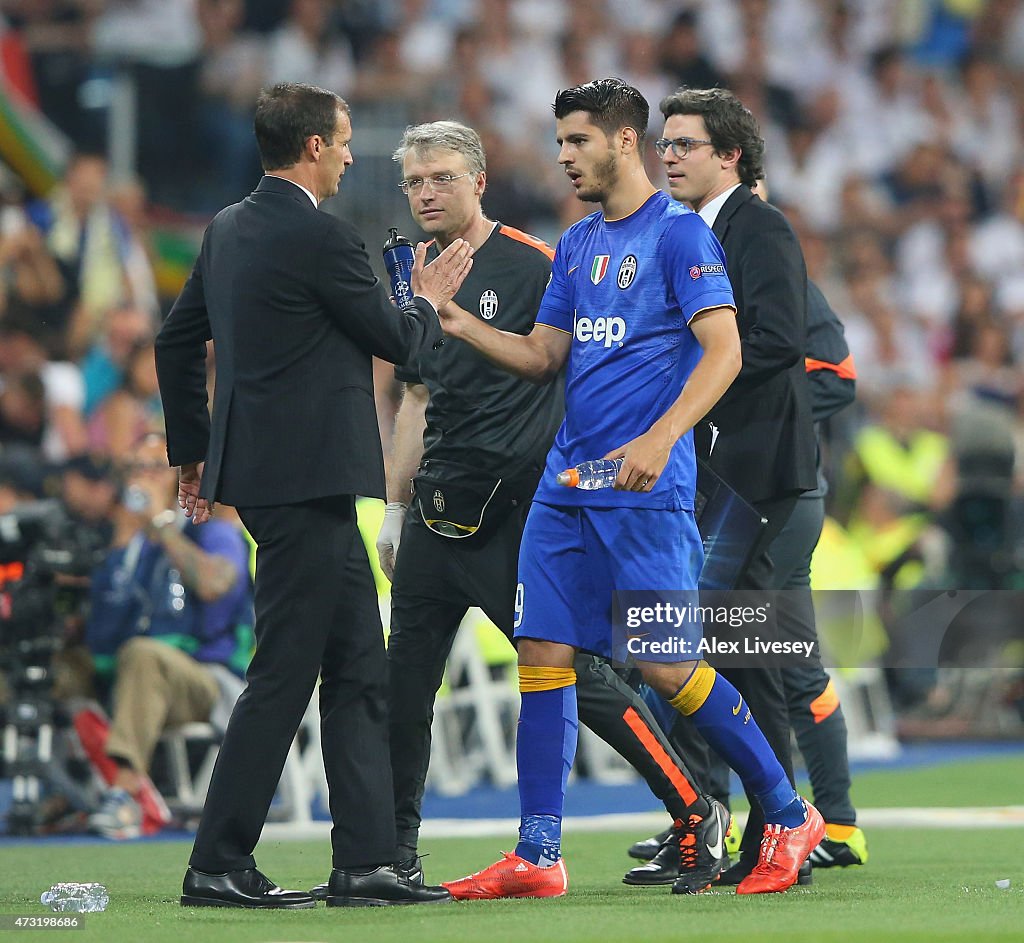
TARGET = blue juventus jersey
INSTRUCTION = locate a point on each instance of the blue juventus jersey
(626, 290)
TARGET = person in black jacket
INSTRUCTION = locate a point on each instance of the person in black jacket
(759, 436)
(295, 313)
(814, 709)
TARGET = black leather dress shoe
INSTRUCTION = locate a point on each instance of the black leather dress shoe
(411, 868)
(732, 876)
(646, 849)
(381, 887)
(247, 888)
(663, 868)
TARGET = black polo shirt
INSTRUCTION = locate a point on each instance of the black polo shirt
(479, 414)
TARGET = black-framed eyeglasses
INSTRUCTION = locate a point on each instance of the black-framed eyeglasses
(680, 146)
(439, 183)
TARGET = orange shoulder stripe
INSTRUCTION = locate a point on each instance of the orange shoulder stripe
(846, 369)
(524, 237)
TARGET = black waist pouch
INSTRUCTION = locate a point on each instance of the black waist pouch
(458, 501)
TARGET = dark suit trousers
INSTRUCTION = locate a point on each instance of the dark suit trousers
(760, 685)
(316, 615)
(822, 739)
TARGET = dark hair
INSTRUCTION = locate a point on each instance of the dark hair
(287, 115)
(31, 384)
(973, 58)
(729, 123)
(684, 19)
(91, 465)
(611, 104)
(883, 58)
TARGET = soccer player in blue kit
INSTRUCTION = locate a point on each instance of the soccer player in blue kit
(641, 309)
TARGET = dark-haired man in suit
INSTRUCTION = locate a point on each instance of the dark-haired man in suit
(759, 436)
(295, 313)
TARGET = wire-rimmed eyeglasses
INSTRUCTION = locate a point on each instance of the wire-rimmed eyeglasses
(439, 183)
(680, 146)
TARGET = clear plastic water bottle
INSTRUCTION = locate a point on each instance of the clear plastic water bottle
(591, 475)
(399, 257)
(76, 898)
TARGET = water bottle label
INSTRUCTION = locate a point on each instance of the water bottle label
(399, 258)
(591, 476)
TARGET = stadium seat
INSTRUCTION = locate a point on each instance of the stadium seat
(190, 788)
(302, 779)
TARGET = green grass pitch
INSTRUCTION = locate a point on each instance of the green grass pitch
(920, 885)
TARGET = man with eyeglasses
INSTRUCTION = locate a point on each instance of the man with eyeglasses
(641, 314)
(467, 431)
(170, 609)
(759, 436)
(478, 436)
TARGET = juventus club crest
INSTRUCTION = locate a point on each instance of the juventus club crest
(439, 502)
(599, 268)
(488, 305)
(627, 272)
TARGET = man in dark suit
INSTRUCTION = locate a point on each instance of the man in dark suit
(815, 713)
(759, 436)
(295, 313)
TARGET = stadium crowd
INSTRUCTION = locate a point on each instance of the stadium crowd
(894, 145)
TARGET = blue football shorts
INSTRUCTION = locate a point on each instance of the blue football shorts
(574, 560)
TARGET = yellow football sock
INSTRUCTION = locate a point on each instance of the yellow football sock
(692, 695)
(532, 678)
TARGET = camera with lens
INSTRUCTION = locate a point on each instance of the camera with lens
(45, 561)
(45, 558)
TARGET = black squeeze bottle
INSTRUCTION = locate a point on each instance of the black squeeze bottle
(398, 260)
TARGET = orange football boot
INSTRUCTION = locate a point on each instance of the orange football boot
(783, 850)
(511, 877)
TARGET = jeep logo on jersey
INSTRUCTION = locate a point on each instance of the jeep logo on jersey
(488, 305)
(627, 271)
(605, 331)
(439, 502)
(598, 269)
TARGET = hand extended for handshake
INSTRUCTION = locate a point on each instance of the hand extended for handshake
(438, 281)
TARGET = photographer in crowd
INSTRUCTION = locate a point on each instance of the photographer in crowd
(169, 605)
